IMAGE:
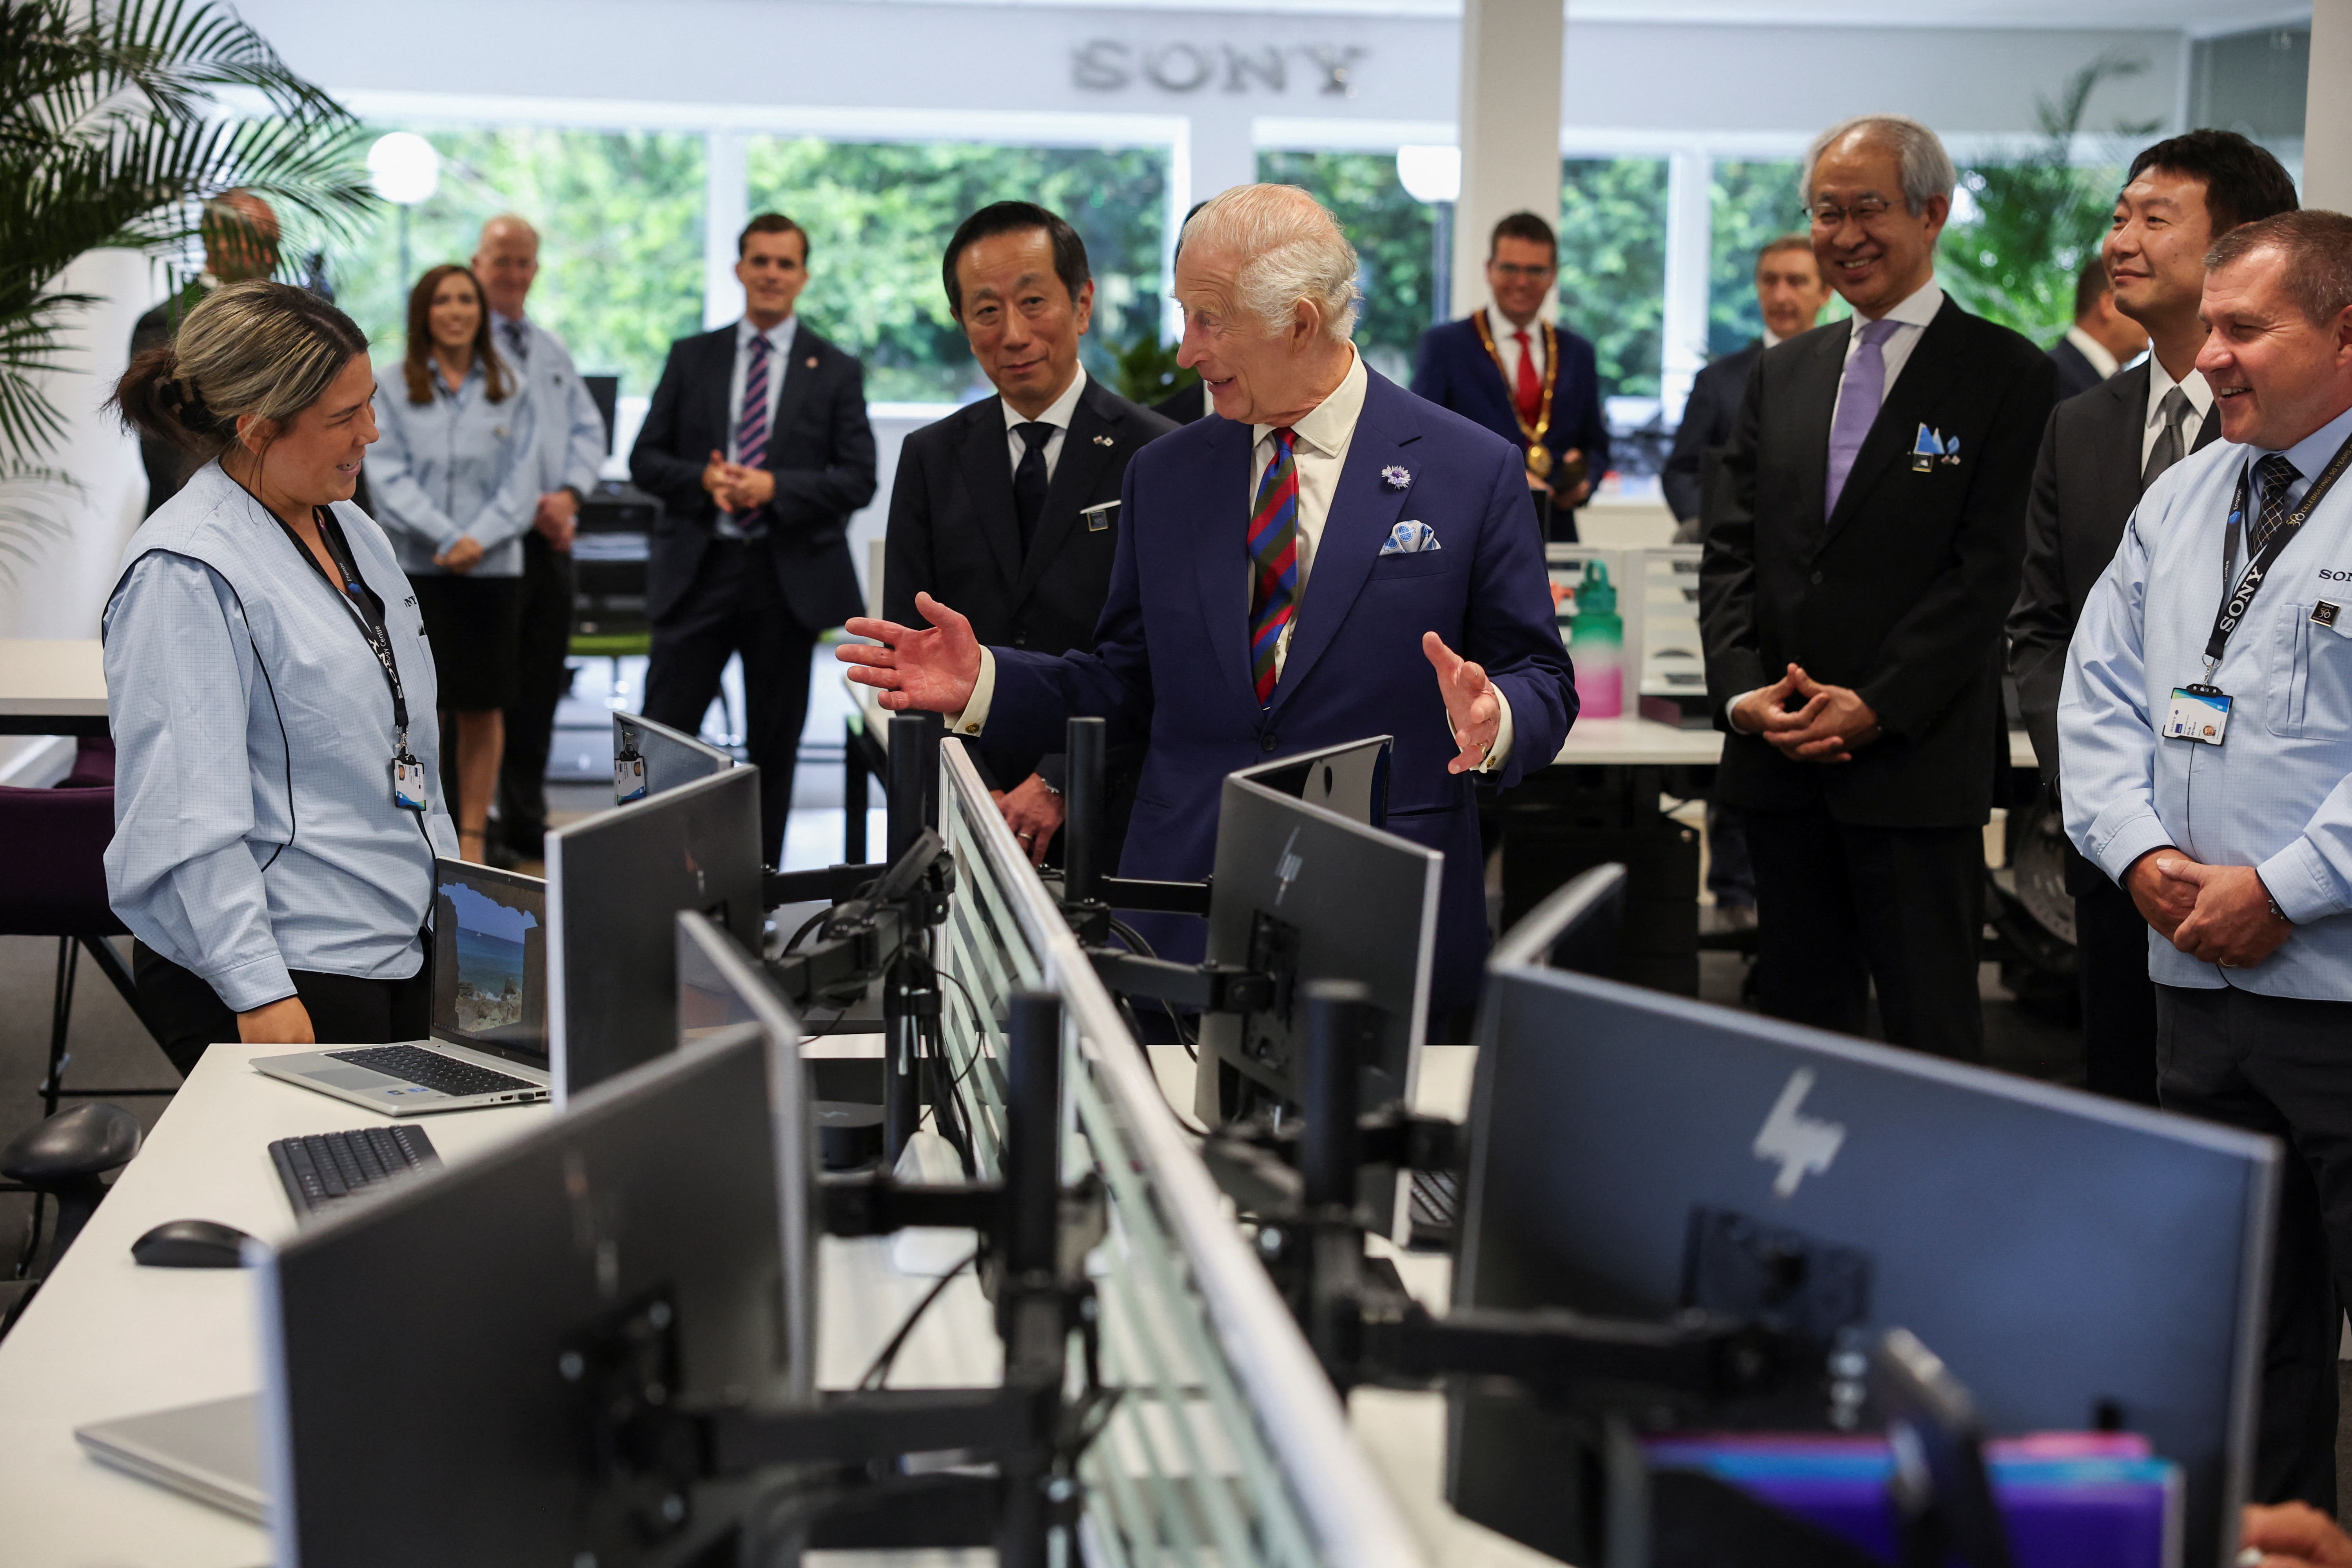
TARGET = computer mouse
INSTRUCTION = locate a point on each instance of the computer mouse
(191, 1244)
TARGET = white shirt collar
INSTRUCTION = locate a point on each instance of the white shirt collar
(1500, 324)
(780, 336)
(1329, 427)
(1058, 412)
(1773, 339)
(2311, 454)
(1916, 309)
(2159, 382)
(500, 319)
(2092, 349)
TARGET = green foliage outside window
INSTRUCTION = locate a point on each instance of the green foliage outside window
(619, 221)
(1754, 204)
(1612, 266)
(879, 217)
(1395, 246)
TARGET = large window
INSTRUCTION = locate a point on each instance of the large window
(620, 220)
(1752, 205)
(1395, 238)
(879, 217)
(1612, 266)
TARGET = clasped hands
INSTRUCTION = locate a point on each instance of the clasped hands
(2216, 914)
(735, 487)
(1829, 725)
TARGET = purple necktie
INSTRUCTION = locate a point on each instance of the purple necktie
(750, 438)
(1859, 396)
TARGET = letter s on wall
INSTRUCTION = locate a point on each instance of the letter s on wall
(1100, 65)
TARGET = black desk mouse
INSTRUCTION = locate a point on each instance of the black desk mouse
(190, 1244)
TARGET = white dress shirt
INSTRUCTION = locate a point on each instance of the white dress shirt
(1319, 451)
(2092, 349)
(1507, 344)
(780, 340)
(2201, 408)
(1057, 414)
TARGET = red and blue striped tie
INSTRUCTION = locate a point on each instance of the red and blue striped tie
(1274, 562)
(751, 429)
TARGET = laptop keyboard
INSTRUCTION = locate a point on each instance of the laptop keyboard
(322, 1170)
(434, 1070)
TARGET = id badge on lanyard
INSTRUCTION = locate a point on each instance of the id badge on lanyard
(411, 787)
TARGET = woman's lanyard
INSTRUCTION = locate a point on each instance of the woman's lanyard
(408, 790)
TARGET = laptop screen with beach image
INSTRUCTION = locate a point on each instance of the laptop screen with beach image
(490, 961)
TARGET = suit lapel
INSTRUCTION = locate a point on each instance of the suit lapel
(2209, 430)
(1363, 512)
(1814, 394)
(2116, 454)
(1077, 472)
(799, 370)
(1926, 375)
(986, 458)
(1220, 542)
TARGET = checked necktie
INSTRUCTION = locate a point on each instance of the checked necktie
(2273, 473)
(751, 437)
(1274, 562)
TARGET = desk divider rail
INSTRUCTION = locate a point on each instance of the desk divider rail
(1228, 1446)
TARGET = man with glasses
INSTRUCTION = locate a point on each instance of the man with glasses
(1531, 383)
(1861, 550)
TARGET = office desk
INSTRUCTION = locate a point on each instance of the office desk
(1634, 742)
(52, 687)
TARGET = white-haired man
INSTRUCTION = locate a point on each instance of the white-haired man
(1298, 572)
(1861, 550)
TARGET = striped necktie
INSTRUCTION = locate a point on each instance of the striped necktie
(751, 430)
(1274, 563)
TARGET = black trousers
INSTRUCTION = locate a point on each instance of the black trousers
(2119, 998)
(737, 608)
(1838, 906)
(542, 678)
(344, 1010)
(1731, 873)
(2277, 1065)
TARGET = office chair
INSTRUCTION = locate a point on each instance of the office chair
(62, 1158)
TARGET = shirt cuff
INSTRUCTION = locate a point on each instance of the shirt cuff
(2126, 842)
(254, 984)
(1731, 708)
(974, 717)
(1501, 752)
(2301, 883)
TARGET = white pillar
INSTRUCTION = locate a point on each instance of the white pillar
(726, 208)
(1511, 66)
(1690, 225)
(1216, 152)
(2327, 112)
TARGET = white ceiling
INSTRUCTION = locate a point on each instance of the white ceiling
(2198, 16)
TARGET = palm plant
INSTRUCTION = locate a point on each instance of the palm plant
(113, 133)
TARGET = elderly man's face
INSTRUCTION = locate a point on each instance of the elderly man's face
(508, 263)
(2276, 374)
(1874, 250)
(1253, 378)
(240, 235)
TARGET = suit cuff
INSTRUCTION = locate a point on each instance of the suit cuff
(974, 717)
(2301, 883)
(1500, 753)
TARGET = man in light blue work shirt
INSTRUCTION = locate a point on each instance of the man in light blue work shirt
(2205, 728)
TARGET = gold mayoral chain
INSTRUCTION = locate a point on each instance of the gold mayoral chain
(1539, 455)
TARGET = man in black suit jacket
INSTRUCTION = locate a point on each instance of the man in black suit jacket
(1008, 508)
(1861, 549)
(750, 554)
(2101, 451)
(1790, 293)
(2102, 337)
(1184, 405)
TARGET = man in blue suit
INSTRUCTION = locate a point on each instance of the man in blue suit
(1299, 572)
(1534, 384)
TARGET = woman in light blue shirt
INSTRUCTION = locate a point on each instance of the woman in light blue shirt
(262, 649)
(456, 483)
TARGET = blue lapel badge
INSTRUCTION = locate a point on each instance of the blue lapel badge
(1933, 447)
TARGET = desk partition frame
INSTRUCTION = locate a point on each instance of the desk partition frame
(1227, 1446)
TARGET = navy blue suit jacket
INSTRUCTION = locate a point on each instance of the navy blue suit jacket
(1454, 371)
(1169, 663)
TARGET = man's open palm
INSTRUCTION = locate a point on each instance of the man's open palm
(928, 670)
(1473, 708)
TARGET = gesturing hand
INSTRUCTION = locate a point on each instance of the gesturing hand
(1473, 709)
(2296, 1535)
(2231, 923)
(932, 672)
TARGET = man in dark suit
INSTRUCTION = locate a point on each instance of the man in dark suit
(2101, 451)
(1295, 573)
(757, 444)
(1861, 549)
(1009, 508)
(1191, 401)
(1789, 292)
(240, 235)
(2102, 338)
(1534, 384)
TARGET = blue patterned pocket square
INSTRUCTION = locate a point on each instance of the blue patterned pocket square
(1411, 538)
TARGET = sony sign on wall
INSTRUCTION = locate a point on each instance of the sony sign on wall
(1183, 66)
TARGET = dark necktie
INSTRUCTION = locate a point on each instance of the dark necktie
(2273, 474)
(1029, 479)
(2171, 442)
(517, 341)
(751, 437)
(1274, 563)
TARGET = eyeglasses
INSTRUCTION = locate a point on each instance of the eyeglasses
(1518, 273)
(1829, 214)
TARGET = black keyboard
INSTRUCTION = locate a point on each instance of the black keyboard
(325, 1169)
(434, 1070)
(1436, 1210)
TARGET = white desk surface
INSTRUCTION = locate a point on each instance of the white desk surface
(52, 679)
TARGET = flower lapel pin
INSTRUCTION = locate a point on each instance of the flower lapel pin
(1396, 478)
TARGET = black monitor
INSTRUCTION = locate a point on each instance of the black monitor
(1304, 892)
(615, 883)
(415, 1407)
(490, 961)
(604, 392)
(2077, 1263)
(663, 758)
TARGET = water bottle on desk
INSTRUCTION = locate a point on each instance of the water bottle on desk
(1596, 646)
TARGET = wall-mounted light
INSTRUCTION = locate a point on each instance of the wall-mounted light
(1431, 173)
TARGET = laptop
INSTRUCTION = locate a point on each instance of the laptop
(211, 1452)
(489, 1009)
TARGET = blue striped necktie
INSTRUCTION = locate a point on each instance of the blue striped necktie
(1274, 563)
